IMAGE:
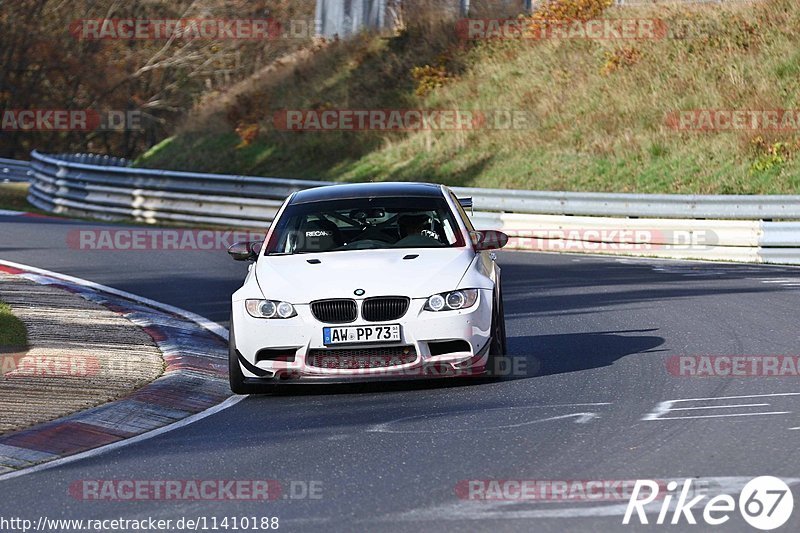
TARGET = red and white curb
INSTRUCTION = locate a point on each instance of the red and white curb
(194, 384)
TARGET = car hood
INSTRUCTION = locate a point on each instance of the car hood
(299, 279)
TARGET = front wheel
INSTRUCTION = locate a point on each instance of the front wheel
(235, 375)
(497, 346)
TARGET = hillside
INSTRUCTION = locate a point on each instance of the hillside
(54, 57)
(599, 110)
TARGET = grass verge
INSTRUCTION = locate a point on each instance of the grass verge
(12, 330)
(14, 197)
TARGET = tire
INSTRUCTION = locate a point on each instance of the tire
(498, 344)
(502, 315)
(235, 375)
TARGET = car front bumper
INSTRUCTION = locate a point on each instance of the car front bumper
(419, 352)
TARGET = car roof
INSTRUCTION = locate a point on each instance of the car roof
(366, 190)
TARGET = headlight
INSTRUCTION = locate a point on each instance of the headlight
(269, 309)
(452, 301)
(286, 310)
(436, 303)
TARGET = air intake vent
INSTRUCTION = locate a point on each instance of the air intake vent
(384, 309)
(335, 311)
(361, 358)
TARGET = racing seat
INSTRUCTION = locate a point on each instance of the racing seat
(319, 236)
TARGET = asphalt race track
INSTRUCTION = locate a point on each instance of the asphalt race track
(593, 335)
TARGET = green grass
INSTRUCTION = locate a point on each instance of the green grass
(596, 127)
(12, 330)
(13, 196)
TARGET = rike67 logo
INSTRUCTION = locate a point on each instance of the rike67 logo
(765, 503)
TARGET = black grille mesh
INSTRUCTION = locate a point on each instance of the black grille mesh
(335, 311)
(384, 309)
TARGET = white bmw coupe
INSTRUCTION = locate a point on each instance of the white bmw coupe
(367, 282)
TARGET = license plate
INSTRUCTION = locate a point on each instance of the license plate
(360, 334)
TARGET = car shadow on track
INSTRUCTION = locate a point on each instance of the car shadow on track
(529, 357)
(325, 389)
(558, 354)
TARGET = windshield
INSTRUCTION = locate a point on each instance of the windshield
(365, 224)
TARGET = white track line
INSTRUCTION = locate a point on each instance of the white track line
(720, 406)
(722, 416)
(197, 319)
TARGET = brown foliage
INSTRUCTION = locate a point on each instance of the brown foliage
(44, 66)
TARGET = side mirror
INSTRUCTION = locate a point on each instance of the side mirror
(488, 240)
(245, 251)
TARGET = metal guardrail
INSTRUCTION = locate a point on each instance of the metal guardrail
(107, 188)
(119, 192)
(13, 170)
(76, 171)
(681, 206)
